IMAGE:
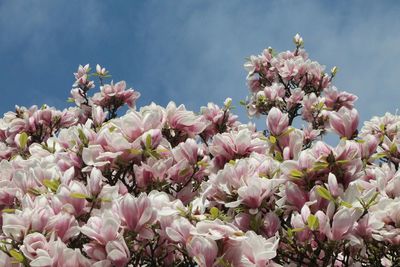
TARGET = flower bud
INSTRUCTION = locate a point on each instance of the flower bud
(298, 40)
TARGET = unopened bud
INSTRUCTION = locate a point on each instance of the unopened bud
(228, 102)
(298, 40)
(334, 71)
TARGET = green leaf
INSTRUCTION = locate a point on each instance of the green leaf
(345, 204)
(202, 163)
(272, 139)
(288, 131)
(278, 156)
(393, 148)
(148, 141)
(79, 196)
(135, 152)
(343, 161)
(324, 193)
(154, 154)
(34, 191)
(23, 140)
(372, 200)
(263, 175)
(242, 102)
(255, 223)
(313, 222)
(296, 174)
(379, 155)
(17, 255)
(70, 100)
(291, 231)
(8, 210)
(184, 172)
(83, 137)
(320, 165)
(51, 184)
(214, 212)
(319, 105)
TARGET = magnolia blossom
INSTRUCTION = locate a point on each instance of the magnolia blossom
(137, 214)
(277, 121)
(166, 186)
(115, 95)
(344, 122)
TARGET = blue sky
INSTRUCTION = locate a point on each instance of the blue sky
(192, 52)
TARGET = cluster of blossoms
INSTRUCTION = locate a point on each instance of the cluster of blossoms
(164, 186)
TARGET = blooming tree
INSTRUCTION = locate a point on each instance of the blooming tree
(164, 186)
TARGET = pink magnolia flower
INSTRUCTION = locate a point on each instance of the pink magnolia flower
(131, 125)
(41, 217)
(152, 171)
(289, 68)
(335, 99)
(295, 196)
(299, 221)
(293, 146)
(228, 146)
(137, 214)
(95, 182)
(118, 252)
(203, 250)
(189, 151)
(219, 120)
(258, 251)
(271, 224)
(76, 206)
(97, 252)
(178, 118)
(35, 248)
(368, 146)
(344, 122)
(295, 98)
(102, 229)
(101, 71)
(115, 95)
(343, 223)
(179, 230)
(180, 171)
(8, 190)
(16, 225)
(98, 115)
(217, 229)
(64, 225)
(82, 71)
(257, 189)
(61, 255)
(277, 122)
(333, 186)
(151, 139)
(242, 221)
